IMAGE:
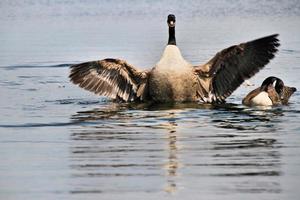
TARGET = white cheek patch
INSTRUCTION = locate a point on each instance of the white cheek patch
(262, 99)
(274, 84)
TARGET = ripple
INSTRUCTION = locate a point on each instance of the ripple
(238, 144)
(290, 51)
(34, 125)
(260, 173)
(15, 67)
(99, 102)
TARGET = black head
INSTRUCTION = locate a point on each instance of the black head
(268, 82)
(171, 20)
(279, 85)
(275, 82)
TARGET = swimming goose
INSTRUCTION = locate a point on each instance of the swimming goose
(173, 78)
(271, 92)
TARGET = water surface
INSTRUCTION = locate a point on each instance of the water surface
(61, 142)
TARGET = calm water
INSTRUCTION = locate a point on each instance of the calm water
(61, 142)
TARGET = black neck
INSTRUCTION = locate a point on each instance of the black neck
(172, 39)
(268, 81)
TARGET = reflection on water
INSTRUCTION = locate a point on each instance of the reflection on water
(172, 162)
(241, 118)
(61, 142)
(159, 147)
(225, 116)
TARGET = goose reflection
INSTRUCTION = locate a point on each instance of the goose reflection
(113, 142)
(173, 162)
(140, 149)
(249, 149)
(241, 118)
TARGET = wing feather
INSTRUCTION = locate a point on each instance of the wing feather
(229, 68)
(113, 78)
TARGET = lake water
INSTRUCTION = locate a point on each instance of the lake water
(61, 142)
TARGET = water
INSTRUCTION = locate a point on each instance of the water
(61, 142)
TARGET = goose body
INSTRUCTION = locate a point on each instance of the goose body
(271, 92)
(261, 99)
(170, 79)
(173, 79)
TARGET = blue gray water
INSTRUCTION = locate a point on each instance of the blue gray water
(58, 141)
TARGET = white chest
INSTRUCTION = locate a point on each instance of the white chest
(172, 61)
(262, 99)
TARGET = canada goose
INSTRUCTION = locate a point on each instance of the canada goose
(173, 78)
(271, 92)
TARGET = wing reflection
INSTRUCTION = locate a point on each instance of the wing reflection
(154, 149)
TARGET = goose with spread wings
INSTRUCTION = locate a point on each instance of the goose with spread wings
(173, 79)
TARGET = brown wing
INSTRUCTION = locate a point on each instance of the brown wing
(228, 69)
(113, 78)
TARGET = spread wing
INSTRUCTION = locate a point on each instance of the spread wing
(229, 68)
(113, 78)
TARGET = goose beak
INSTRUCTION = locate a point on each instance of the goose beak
(172, 24)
